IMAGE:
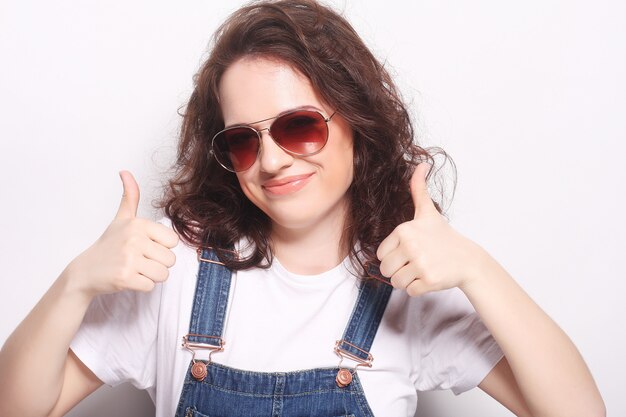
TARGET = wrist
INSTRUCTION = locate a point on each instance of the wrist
(483, 267)
(70, 285)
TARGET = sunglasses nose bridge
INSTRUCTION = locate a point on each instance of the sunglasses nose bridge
(269, 134)
(272, 156)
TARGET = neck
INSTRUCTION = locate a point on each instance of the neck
(313, 249)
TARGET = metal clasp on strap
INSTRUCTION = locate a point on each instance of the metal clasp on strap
(379, 277)
(200, 258)
(199, 345)
(199, 368)
(342, 353)
(344, 376)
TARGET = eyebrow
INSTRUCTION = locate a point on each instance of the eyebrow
(305, 107)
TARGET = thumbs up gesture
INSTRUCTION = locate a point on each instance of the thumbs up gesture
(427, 254)
(130, 198)
(132, 253)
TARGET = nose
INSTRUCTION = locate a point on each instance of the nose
(272, 157)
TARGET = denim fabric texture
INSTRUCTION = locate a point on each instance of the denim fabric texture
(210, 300)
(230, 392)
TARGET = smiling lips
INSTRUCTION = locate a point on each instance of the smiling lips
(286, 185)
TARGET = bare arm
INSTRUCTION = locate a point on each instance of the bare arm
(78, 383)
(500, 384)
(427, 254)
(547, 367)
(132, 254)
(42, 338)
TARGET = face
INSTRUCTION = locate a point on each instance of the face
(296, 192)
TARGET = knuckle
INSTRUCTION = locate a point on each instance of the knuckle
(171, 261)
(124, 271)
(416, 257)
(120, 283)
(159, 274)
(132, 240)
(400, 230)
(124, 275)
(165, 273)
(128, 240)
(126, 261)
(404, 230)
(147, 286)
(412, 291)
(170, 237)
(395, 282)
(384, 269)
(428, 280)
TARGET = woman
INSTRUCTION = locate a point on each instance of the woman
(300, 187)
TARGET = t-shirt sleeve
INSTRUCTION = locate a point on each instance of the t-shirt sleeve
(117, 338)
(455, 348)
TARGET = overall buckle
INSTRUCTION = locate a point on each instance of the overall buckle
(232, 253)
(344, 375)
(199, 368)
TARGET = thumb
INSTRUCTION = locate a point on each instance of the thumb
(130, 198)
(419, 189)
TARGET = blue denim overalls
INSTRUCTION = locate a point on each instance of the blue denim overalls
(214, 390)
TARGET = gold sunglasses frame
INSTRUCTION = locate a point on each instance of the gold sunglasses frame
(259, 135)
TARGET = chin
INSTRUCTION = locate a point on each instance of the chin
(295, 222)
(306, 213)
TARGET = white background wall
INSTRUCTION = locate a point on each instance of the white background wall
(529, 98)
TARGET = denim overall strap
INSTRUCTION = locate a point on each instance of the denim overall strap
(220, 390)
(366, 316)
(210, 300)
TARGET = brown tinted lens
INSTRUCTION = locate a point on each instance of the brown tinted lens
(302, 132)
(236, 148)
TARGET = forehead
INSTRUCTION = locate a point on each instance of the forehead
(253, 89)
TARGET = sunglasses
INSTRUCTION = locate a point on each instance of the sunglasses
(298, 132)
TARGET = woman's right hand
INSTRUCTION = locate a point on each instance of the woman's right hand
(132, 253)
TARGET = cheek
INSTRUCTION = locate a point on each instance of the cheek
(346, 162)
(243, 183)
(343, 169)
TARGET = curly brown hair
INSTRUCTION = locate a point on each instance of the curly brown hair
(205, 202)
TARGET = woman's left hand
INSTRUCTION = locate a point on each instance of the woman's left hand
(427, 254)
(543, 371)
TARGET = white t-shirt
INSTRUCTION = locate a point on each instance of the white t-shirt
(279, 321)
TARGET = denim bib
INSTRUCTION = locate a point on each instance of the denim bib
(214, 390)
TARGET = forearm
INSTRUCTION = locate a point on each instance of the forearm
(548, 368)
(32, 360)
